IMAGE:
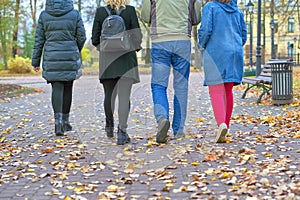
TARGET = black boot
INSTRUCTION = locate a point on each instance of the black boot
(122, 137)
(59, 131)
(109, 128)
(66, 123)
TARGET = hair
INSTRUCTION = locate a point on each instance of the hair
(117, 4)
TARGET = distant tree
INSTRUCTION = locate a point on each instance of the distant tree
(298, 16)
(6, 29)
(79, 5)
(27, 43)
(16, 28)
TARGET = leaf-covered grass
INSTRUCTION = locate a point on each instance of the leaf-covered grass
(7, 73)
(296, 79)
(8, 91)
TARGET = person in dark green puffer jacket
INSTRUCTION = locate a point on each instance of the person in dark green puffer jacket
(59, 37)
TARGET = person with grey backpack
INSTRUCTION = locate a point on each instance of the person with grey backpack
(116, 34)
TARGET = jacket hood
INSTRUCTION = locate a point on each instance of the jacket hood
(228, 7)
(58, 7)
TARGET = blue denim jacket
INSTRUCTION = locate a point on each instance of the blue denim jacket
(222, 35)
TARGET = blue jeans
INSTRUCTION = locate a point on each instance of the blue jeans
(164, 55)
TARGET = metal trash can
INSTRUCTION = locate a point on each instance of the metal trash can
(282, 81)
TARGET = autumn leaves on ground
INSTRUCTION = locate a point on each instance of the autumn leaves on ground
(259, 161)
(285, 122)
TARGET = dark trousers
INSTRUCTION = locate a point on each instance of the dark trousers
(62, 96)
(112, 88)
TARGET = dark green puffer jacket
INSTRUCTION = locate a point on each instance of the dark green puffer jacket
(59, 37)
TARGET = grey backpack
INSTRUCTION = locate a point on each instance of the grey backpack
(114, 37)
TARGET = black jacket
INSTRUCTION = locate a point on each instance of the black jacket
(59, 37)
(117, 65)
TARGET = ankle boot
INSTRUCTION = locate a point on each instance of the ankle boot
(122, 137)
(109, 128)
(59, 131)
(66, 123)
(109, 131)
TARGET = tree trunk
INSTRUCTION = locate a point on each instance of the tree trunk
(5, 56)
(16, 29)
(33, 12)
(79, 6)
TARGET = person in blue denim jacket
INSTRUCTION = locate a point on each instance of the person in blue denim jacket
(222, 35)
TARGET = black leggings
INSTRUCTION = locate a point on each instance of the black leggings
(62, 96)
(122, 88)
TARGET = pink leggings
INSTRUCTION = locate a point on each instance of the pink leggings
(222, 102)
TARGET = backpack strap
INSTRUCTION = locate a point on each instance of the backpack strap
(107, 10)
(120, 10)
(117, 12)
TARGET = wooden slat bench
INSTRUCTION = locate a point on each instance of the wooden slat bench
(262, 81)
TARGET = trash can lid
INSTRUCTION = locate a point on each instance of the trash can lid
(279, 61)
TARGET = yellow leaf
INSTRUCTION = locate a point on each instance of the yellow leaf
(150, 143)
(183, 188)
(128, 171)
(67, 198)
(25, 120)
(71, 165)
(41, 140)
(201, 119)
(38, 161)
(228, 135)
(58, 140)
(169, 184)
(225, 175)
(112, 188)
(116, 173)
(79, 189)
(235, 187)
(70, 187)
(209, 171)
(80, 146)
(297, 135)
(148, 151)
(126, 148)
(213, 178)
(2, 138)
(268, 155)
(7, 131)
(246, 157)
(60, 146)
(195, 163)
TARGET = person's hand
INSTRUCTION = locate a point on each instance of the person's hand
(36, 68)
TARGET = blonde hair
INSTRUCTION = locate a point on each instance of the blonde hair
(117, 4)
